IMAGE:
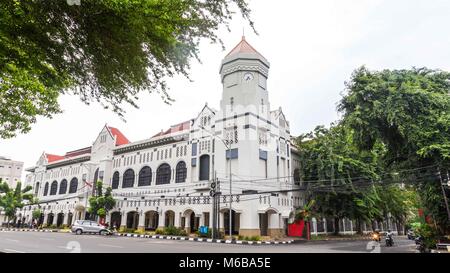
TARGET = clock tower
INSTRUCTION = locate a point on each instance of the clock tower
(244, 73)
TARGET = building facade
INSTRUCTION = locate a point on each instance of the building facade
(165, 180)
(10, 171)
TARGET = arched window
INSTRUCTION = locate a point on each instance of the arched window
(63, 187)
(73, 185)
(180, 175)
(115, 181)
(54, 188)
(145, 176)
(46, 189)
(36, 190)
(163, 174)
(128, 179)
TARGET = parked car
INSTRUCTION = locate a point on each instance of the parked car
(87, 226)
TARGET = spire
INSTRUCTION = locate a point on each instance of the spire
(243, 47)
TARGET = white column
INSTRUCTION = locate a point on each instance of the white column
(161, 219)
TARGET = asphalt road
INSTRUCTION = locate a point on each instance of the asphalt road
(41, 242)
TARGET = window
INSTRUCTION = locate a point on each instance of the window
(231, 135)
(46, 189)
(128, 179)
(297, 176)
(231, 104)
(63, 187)
(163, 174)
(36, 190)
(73, 185)
(194, 149)
(204, 167)
(54, 188)
(145, 176)
(115, 181)
(262, 136)
(181, 171)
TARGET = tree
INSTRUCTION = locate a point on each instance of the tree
(101, 204)
(408, 111)
(106, 51)
(335, 168)
(12, 199)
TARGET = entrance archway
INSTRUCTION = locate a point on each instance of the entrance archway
(59, 219)
(132, 220)
(116, 219)
(191, 221)
(169, 219)
(235, 222)
(50, 217)
(151, 220)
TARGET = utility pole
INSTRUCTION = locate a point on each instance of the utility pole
(230, 213)
(445, 196)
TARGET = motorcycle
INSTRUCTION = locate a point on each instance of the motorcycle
(389, 240)
(420, 245)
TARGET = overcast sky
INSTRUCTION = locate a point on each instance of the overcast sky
(312, 46)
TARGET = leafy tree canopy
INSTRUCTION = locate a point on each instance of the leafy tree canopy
(102, 50)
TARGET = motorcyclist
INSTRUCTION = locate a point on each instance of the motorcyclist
(390, 236)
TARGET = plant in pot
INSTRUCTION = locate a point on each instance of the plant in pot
(305, 214)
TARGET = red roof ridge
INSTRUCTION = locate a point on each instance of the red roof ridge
(121, 139)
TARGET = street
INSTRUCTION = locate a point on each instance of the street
(41, 242)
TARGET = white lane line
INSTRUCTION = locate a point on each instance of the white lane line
(110, 245)
(12, 240)
(13, 250)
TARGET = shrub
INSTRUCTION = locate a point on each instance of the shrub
(159, 231)
(171, 230)
(254, 238)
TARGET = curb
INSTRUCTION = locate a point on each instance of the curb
(33, 230)
(206, 240)
(167, 237)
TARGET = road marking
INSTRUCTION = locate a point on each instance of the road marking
(13, 250)
(110, 245)
(12, 240)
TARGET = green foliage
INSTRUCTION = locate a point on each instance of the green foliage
(408, 112)
(428, 233)
(100, 204)
(13, 199)
(305, 212)
(106, 51)
(36, 213)
(171, 230)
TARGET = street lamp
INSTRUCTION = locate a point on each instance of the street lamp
(228, 146)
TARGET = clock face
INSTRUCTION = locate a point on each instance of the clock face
(248, 77)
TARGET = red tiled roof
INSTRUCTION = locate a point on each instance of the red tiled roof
(243, 47)
(52, 158)
(121, 139)
(175, 128)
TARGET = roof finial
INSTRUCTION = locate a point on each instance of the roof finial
(243, 33)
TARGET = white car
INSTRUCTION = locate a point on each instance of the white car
(87, 226)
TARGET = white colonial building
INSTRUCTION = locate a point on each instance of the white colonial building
(165, 180)
(10, 171)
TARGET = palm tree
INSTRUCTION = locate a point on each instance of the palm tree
(12, 199)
